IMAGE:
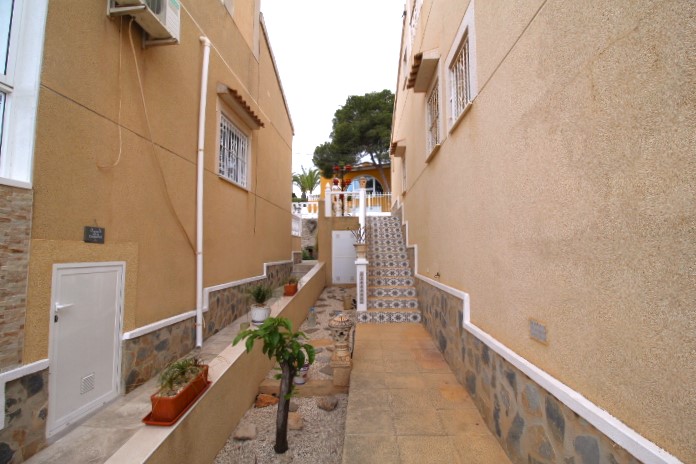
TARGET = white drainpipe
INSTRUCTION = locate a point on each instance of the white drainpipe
(199, 192)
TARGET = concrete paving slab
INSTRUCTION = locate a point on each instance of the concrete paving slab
(427, 450)
(417, 422)
(428, 418)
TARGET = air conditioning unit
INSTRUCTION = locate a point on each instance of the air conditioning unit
(158, 18)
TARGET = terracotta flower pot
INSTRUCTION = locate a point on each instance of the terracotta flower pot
(168, 409)
(289, 289)
(360, 249)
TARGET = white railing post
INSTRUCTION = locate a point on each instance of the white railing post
(362, 210)
(328, 201)
(361, 279)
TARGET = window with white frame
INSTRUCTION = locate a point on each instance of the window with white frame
(234, 153)
(461, 72)
(433, 118)
(6, 33)
(22, 29)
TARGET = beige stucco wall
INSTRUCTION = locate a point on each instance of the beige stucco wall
(94, 166)
(46, 253)
(567, 195)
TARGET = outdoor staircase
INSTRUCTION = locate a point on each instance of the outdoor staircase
(391, 294)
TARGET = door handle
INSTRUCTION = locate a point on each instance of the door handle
(60, 307)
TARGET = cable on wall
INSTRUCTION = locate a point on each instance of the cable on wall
(120, 101)
(170, 205)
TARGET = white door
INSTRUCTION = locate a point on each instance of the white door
(343, 257)
(86, 315)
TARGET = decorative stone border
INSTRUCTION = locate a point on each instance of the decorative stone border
(146, 355)
(15, 235)
(531, 424)
(26, 409)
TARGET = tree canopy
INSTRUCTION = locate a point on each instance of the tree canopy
(306, 181)
(361, 128)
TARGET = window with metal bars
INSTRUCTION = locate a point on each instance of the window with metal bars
(234, 153)
(433, 118)
(460, 93)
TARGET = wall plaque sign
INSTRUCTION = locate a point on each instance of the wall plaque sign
(94, 234)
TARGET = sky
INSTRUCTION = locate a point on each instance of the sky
(326, 52)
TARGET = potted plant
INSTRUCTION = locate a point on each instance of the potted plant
(281, 343)
(290, 288)
(260, 311)
(180, 384)
(360, 245)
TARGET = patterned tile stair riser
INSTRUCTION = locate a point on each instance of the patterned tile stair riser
(391, 291)
(386, 272)
(379, 256)
(387, 281)
(391, 303)
(385, 317)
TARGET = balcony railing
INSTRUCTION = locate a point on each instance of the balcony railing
(306, 209)
(348, 204)
(344, 204)
(296, 225)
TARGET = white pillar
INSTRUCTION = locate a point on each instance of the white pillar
(362, 211)
(327, 201)
(361, 279)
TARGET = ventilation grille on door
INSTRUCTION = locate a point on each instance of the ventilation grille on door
(87, 384)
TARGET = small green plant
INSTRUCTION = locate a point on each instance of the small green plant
(306, 255)
(292, 279)
(177, 374)
(260, 293)
(283, 345)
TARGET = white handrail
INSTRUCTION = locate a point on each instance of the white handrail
(350, 203)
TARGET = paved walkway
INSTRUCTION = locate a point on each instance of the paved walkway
(406, 406)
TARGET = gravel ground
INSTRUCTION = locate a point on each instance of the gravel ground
(319, 442)
(321, 439)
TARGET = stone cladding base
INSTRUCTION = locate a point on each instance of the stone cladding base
(145, 356)
(26, 409)
(532, 426)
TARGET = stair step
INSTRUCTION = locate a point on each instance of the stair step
(391, 291)
(387, 281)
(387, 248)
(379, 257)
(386, 316)
(388, 271)
(392, 302)
(382, 241)
(386, 233)
(383, 263)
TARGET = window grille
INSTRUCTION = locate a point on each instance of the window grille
(460, 92)
(234, 153)
(433, 118)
